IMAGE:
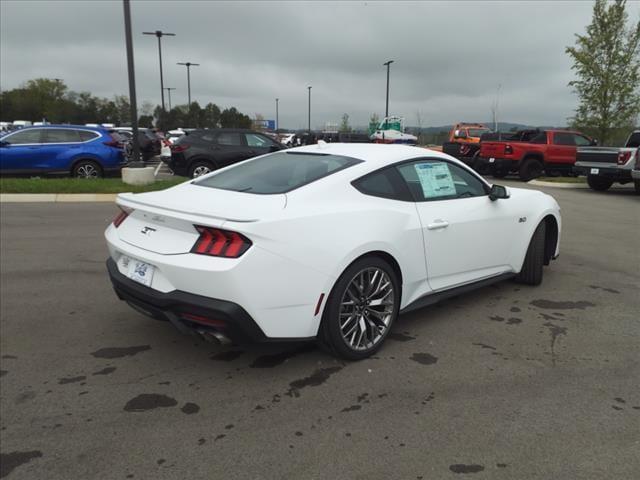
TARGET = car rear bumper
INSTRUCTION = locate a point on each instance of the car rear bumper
(603, 171)
(188, 312)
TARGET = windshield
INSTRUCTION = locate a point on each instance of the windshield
(278, 173)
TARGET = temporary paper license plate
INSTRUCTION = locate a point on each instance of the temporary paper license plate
(491, 160)
(140, 272)
(595, 171)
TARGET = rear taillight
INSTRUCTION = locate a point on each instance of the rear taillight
(180, 148)
(508, 150)
(122, 216)
(113, 142)
(623, 157)
(637, 167)
(220, 243)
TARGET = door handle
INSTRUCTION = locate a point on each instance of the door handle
(437, 224)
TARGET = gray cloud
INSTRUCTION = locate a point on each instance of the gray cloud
(449, 56)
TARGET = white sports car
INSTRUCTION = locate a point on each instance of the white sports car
(329, 241)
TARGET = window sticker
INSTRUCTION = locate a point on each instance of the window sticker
(435, 179)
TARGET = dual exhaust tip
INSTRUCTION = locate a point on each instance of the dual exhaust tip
(214, 337)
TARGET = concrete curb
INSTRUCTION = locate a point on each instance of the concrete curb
(540, 183)
(56, 197)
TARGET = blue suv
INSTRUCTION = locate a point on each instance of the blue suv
(82, 152)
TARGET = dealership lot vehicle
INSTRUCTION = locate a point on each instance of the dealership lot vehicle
(79, 151)
(505, 365)
(530, 153)
(464, 141)
(251, 252)
(199, 152)
(149, 141)
(604, 166)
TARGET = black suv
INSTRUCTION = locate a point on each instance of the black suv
(201, 151)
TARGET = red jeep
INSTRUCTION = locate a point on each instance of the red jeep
(531, 152)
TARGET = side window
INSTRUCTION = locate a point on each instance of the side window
(86, 135)
(581, 141)
(24, 137)
(439, 180)
(385, 183)
(258, 141)
(540, 138)
(230, 139)
(59, 135)
(562, 138)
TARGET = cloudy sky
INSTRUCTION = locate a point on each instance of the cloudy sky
(449, 57)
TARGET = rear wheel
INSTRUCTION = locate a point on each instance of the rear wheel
(531, 168)
(599, 184)
(636, 184)
(499, 174)
(199, 168)
(531, 273)
(360, 310)
(87, 169)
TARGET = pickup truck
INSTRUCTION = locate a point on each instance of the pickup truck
(604, 166)
(464, 141)
(530, 153)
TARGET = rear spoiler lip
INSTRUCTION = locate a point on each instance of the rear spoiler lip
(128, 200)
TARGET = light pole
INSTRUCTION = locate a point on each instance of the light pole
(168, 89)
(277, 123)
(388, 64)
(309, 88)
(189, 65)
(160, 34)
(132, 85)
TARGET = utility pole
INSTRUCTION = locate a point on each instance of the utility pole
(277, 123)
(132, 85)
(189, 65)
(309, 88)
(388, 64)
(160, 34)
(168, 89)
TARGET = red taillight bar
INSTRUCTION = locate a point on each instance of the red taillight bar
(220, 243)
(121, 217)
(180, 148)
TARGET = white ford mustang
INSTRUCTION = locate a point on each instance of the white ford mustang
(328, 241)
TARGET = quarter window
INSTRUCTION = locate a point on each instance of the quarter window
(438, 180)
(23, 138)
(230, 139)
(385, 183)
(59, 135)
(86, 135)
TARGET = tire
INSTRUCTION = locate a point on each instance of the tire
(531, 272)
(337, 338)
(499, 174)
(86, 169)
(531, 168)
(598, 183)
(636, 185)
(200, 167)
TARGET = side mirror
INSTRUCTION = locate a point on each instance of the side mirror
(497, 192)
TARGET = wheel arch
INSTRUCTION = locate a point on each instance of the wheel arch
(203, 158)
(551, 238)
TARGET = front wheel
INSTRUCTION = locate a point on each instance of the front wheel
(531, 272)
(360, 310)
(599, 184)
(86, 169)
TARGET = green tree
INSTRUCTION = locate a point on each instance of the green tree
(344, 124)
(606, 61)
(232, 118)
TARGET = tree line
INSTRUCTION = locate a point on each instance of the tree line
(52, 101)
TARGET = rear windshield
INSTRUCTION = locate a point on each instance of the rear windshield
(278, 173)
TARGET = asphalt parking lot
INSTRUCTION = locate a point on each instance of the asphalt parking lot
(508, 382)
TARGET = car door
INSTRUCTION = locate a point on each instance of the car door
(467, 237)
(562, 149)
(260, 144)
(230, 148)
(19, 151)
(59, 147)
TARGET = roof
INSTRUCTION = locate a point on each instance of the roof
(375, 154)
(81, 127)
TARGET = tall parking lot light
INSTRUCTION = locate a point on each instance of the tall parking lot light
(388, 64)
(277, 123)
(132, 85)
(168, 89)
(160, 34)
(309, 88)
(189, 65)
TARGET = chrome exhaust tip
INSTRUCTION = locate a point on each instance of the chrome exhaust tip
(215, 337)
